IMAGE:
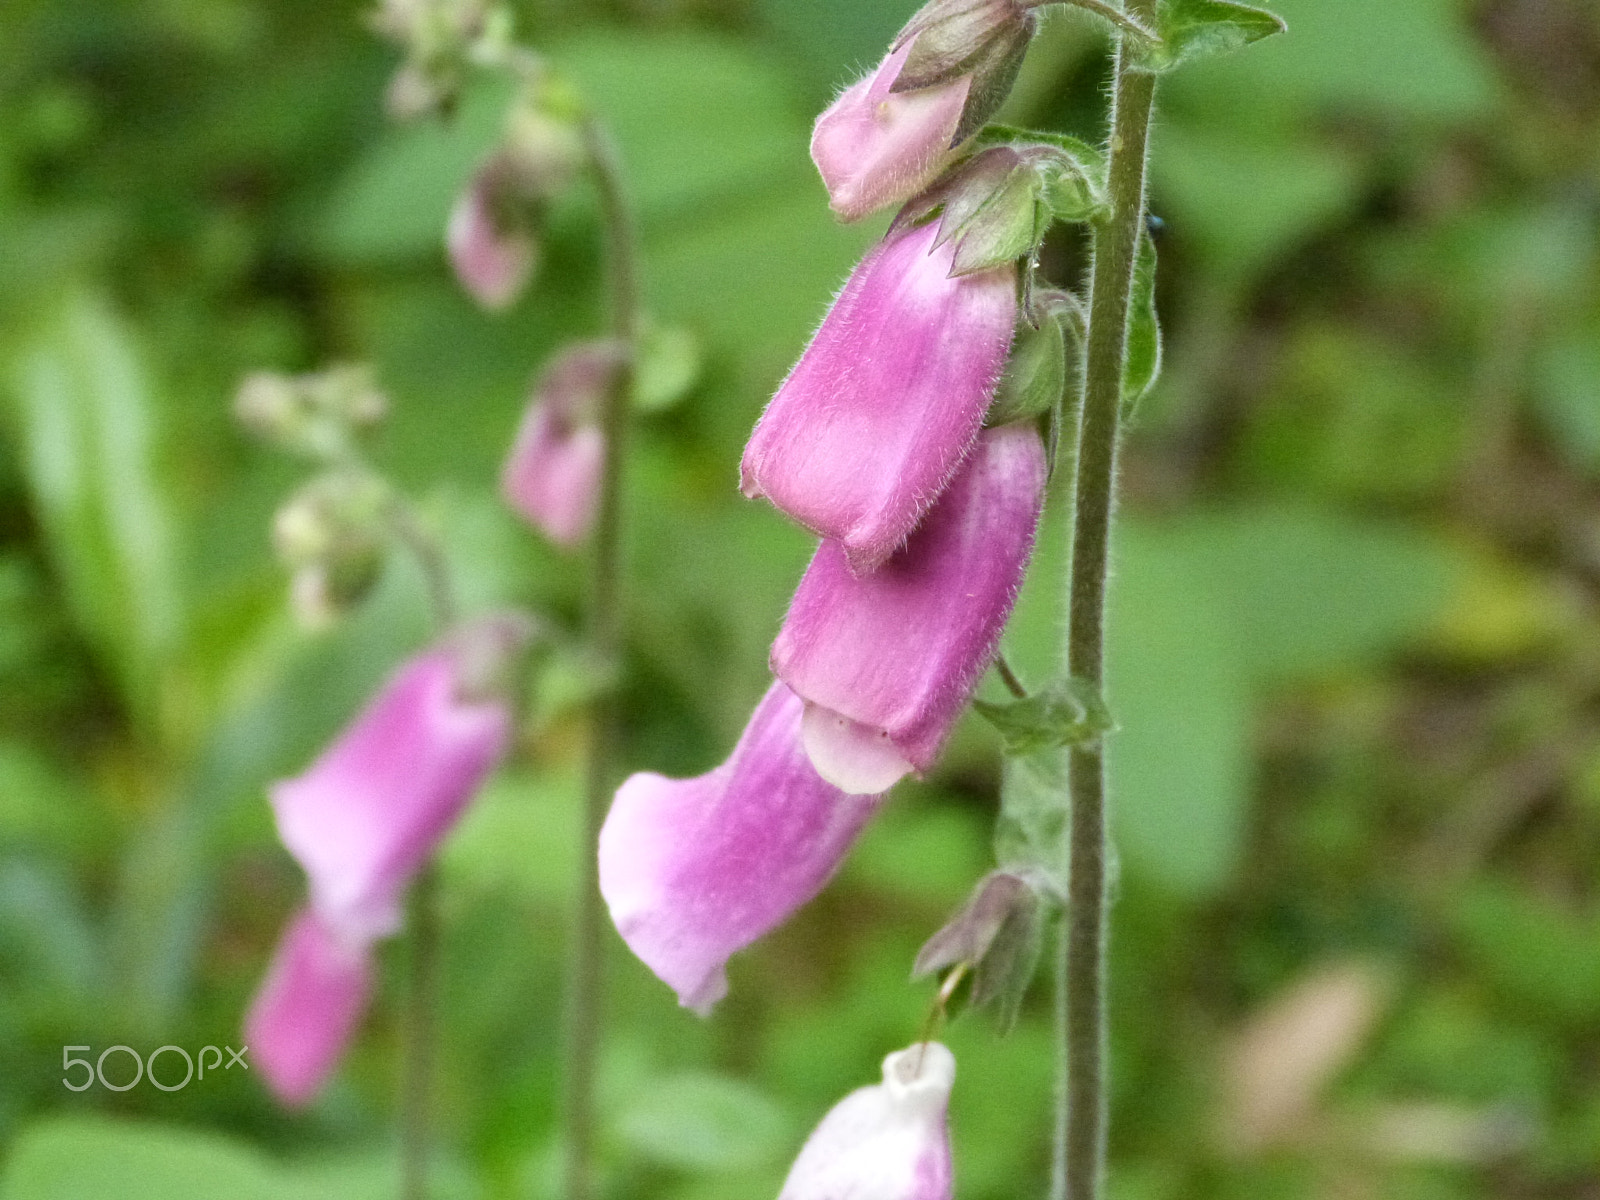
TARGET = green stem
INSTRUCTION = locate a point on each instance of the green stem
(417, 1081)
(416, 1088)
(584, 998)
(1080, 1143)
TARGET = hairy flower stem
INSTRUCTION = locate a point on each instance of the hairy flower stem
(1080, 1136)
(584, 979)
(416, 1086)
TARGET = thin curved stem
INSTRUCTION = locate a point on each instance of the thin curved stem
(1080, 1143)
(585, 992)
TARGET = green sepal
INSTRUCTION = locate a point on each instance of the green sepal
(982, 40)
(1065, 712)
(998, 932)
(1007, 971)
(1036, 373)
(1073, 176)
(1192, 29)
(1143, 363)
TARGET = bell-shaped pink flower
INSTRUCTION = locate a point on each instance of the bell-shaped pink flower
(367, 814)
(307, 1008)
(883, 405)
(552, 476)
(874, 147)
(886, 662)
(492, 250)
(885, 1142)
(695, 869)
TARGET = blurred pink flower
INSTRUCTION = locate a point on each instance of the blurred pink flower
(492, 251)
(366, 815)
(874, 147)
(696, 869)
(886, 400)
(306, 1010)
(552, 476)
(885, 1142)
(886, 662)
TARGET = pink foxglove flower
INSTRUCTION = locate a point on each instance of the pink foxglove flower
(367, 814)
(886, 662)
(695, 869)
(492, 250)
(883, 405)
(885, 1142)
(874, 147)
(306, 1010)
(552, 476)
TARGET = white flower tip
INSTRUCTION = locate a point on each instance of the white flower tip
(857, 759)
(921, 1075)
(704, 998)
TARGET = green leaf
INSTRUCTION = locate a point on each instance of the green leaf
(1192, 29)
(79, 1159)
(703, 1122)
(1566, 396)
(670, 361)
(85, 411)
(1064, 712)
(1143, 363)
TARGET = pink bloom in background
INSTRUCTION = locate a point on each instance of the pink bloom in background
(874, 147)
(696, 869)
(885, 1142)
(886, 400)
(362, 820)
(314, 994)
(493, 255)
(552, 476)
(367, 814)
(886, 662)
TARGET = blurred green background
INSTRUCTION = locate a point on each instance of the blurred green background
(1356, 648)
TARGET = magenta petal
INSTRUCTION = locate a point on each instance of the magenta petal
(901, 650)
(883, 405)
(696, 869)
(886, 1142)
(309, 1004)
(370, 811)
(493, 261)
(874, 147)
(552, 476)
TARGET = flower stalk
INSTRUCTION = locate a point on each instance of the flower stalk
(584, 980)
(1080, 1136)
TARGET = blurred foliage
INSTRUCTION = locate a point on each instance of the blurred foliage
(1356, 643)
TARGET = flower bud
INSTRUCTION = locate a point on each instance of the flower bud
(888, 136)
(307, 1008)
(886, 400)
(553, 473)
(331, 536)
(696, 869)
(885, 1142)
(886, 662)
(490, 236)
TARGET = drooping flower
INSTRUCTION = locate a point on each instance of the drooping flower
(314, 994)
(490, 241)
(696, 869)
(885, 402)
(875, 148)
(552, 475)
(885, 1142)
(361, 821)
(888, 135)
(886, 662)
